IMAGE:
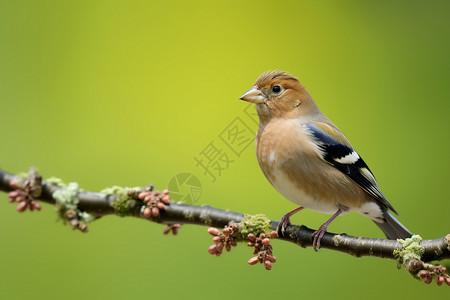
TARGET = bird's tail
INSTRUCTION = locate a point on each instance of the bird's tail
(392, 228)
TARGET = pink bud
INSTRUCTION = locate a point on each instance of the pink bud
(440, 280)
(216, 239)
(447, 280)
(212, 249)
(228, 247)
(220, 246)
(253, 261)
(271, 258)
(213, 231)
(155, 211)
(83, 227)
(147, 212)
(423, 274)
(428, 280)
(165, 199)
(250, 244)
(252, 237)
(265, 242)
(148, 198)
(13, 194)
(166, 230)
(160, 205)
(71, 214)
(165, 192)
(268, 265)
(36, 205)
(227, 231)
(142, 195)
(273, 234)
(22, 206)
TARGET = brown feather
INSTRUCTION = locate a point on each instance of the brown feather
(304, 167)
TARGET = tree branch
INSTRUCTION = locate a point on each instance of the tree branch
(100, 204)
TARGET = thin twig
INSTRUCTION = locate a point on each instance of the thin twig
(99, 204)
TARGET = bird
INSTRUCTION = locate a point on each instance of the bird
(310, 162)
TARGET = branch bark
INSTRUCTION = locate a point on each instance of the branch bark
(99, 204)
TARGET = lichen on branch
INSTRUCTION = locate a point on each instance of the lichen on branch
(410, 257)
(66, 204)
(254, 224)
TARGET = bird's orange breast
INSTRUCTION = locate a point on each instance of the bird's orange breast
(291, 162)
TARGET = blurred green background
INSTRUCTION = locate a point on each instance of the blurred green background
(130, 92)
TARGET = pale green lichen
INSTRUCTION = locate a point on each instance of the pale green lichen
(411, 251)
(56, 181)
(127, 207)
(124, 205)
(255, 224)
(121, 192)
(67, 199)
(23, 174)
(86, 217)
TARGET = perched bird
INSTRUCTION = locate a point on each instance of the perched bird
(308, 159)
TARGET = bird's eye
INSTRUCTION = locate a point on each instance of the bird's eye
(276, 89)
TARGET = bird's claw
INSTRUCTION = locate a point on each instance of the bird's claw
(317, 236)
(284, 222)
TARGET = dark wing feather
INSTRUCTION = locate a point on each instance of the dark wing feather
(345, 159)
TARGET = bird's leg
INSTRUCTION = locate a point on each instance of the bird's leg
(318, 235)
(285, 220)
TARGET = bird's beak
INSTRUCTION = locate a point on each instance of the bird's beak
(254, 96)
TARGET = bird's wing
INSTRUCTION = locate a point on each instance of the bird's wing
(337, 151)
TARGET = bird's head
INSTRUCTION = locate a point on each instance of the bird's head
(279, 94)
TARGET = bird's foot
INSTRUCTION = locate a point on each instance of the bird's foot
(284, 222)
(318, 235)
